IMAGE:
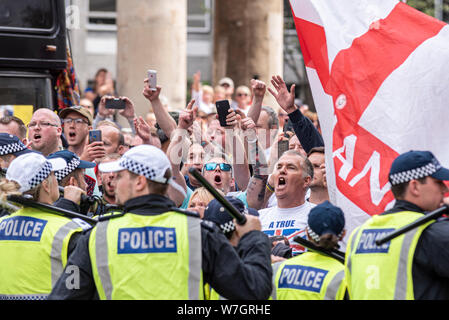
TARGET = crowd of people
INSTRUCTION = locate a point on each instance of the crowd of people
(160, 234)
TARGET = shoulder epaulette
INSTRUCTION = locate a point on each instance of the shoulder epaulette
(110, 215)
(82, 224)
(186, 212)
(211, 226)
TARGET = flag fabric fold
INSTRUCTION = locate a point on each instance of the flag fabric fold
(379, 76)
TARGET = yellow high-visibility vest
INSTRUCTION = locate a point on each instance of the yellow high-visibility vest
(147, 257)
(308, 276)
(33, 252)
(382, 272)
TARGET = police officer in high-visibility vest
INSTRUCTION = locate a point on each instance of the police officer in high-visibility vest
(34, 244)
(414, 265)
(156, 251)
(313, 275)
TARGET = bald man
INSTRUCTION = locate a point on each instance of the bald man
(44, 131)
(113, 139)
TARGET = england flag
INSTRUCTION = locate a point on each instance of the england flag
(379, 73)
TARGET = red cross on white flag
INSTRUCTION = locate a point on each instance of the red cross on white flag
(379, 73)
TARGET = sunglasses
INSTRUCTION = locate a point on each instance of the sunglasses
(212, 166)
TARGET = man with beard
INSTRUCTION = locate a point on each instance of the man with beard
(195, 159)
(107, 180)
(318, 186)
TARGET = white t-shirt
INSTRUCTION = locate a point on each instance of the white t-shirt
(290, 222)
(272, 201)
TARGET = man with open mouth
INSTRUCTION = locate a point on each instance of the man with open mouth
(77, 121)
(219, 173)
(292, 176)
(44, 131)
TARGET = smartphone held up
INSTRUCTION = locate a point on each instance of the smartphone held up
(115, 103)
(152, 79)
(94, 135)
(222, 111)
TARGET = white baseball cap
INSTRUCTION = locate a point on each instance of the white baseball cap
(145, 160)
(30, 169)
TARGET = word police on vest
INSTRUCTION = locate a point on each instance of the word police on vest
(22, 229)
(146, 240)
(302, 278)
(368, 239)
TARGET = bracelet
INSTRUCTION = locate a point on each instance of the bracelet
(269, 188)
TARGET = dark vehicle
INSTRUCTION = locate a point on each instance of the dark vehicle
(32, 53)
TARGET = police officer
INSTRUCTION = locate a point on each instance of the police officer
(218, 214)
(72, 175)
(155, 251)
(312, 275)
(10, 148)
(415, 264)
(34, 244)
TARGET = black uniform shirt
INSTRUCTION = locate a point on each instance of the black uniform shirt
(430, 268)
(233, 277)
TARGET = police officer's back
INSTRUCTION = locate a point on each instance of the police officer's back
(313, 275)
(34, 244)
(415, 264)
(154, 251)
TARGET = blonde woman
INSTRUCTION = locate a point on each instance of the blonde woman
(199, 200)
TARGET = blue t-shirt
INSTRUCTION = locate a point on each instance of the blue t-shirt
(185, 203)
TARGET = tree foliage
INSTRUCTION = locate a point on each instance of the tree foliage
(428, 7)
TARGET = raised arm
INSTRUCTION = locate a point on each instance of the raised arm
(179, 144)
(255, 192)
(306, 132)
(258, 88)
(235, 146)
(163, 118)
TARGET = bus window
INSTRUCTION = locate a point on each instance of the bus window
(26, 14)
(34, 91)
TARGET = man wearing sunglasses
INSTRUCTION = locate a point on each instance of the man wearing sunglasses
(219, 173)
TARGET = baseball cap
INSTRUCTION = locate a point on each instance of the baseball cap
(73, 162)
(416, 165)
(10, 144)
(325, 218)
(30, 169)
(227, 81)
(146, 160)
(215, 212)
(78, 109)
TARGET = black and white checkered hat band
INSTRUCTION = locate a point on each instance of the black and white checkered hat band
(72, 165)
(313, 235)
(227, 227)
(138, 168)
(11, 148)
(417, 173)
(41, 175)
